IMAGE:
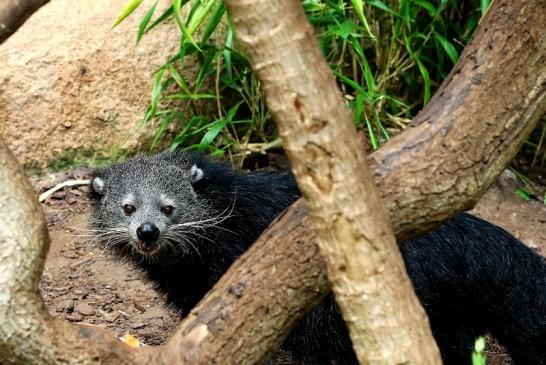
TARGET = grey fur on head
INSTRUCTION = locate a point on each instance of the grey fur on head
(184, 218)
(154, 190)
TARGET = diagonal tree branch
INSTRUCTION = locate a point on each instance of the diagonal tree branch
(385, 319)
(13, 13)
(479, 119)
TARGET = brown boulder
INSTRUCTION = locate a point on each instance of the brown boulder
(70, 82)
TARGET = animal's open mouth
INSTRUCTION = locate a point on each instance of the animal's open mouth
(147, 248)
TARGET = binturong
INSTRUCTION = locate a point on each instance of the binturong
(184, 219)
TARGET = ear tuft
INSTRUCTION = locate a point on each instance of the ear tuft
(98, 185)
(196, 174)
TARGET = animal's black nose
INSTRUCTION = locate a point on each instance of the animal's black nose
(147, 232)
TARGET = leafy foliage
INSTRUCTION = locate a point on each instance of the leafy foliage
(478, 355)
(388, 56)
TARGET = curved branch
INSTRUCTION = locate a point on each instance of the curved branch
(475, 123)
(385, 319)
(28, 335)
(13, 13)
(504, 105)
(500, 77)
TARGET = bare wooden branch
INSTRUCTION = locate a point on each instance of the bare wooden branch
(288, 279)
(13, 14)
(497, 86)
(385, 319)
(28, 335)
(526, 99)
(415, 191)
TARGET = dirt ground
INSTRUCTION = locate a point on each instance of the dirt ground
(82, 284)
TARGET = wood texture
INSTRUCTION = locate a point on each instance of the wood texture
(479, 118)
(13, 14)
(385, 319)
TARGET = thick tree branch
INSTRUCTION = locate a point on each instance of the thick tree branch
(13, 14)
(475, 123)
(498, 85)
(28, 335)
(420, 192)
(385, 319)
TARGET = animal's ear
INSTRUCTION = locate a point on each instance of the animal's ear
(98, 185)
(196, 174)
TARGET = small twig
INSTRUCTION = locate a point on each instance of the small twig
(262, 147)
(58, 187)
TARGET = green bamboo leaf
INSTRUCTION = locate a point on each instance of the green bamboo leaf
(166, 14)
(368, 76)
(523, 194)
(484, 6)
(427, 6)
(195, 4)
(371, 132)
(203, 9)
(156, 91)
(159, 132)
(127, 9)
(147, 117)
(426, 79)
(422, 69)
(384, 131)
(448, 47)
(358, 6)
(381, 5)
(344, 29)
(227, 55)
(212, 133)
(233, 110)
(191, 96)
(177, 8)
(358, 109)
(145, 21)
(207, 68)
(349, 81)
(178, 78)
(213, 22)
(183, 135)
(405, 12)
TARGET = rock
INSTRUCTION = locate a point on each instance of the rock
(65, 306)
(61, 194)
(85, 189)
(111, 317)
(69, 254)
(81, 293)
(71, 199)
(74, 317)
(138, 325)
(69, 82)
(85, 309)
(139, 306)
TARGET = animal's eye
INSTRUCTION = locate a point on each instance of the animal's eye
(128, 209)
(167, 210)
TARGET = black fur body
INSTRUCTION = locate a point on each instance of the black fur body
(472, 277)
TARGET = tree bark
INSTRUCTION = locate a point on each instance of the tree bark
(13, 14)
(385, 319)
(486, 107)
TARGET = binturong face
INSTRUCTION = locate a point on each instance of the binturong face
(147, 207)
